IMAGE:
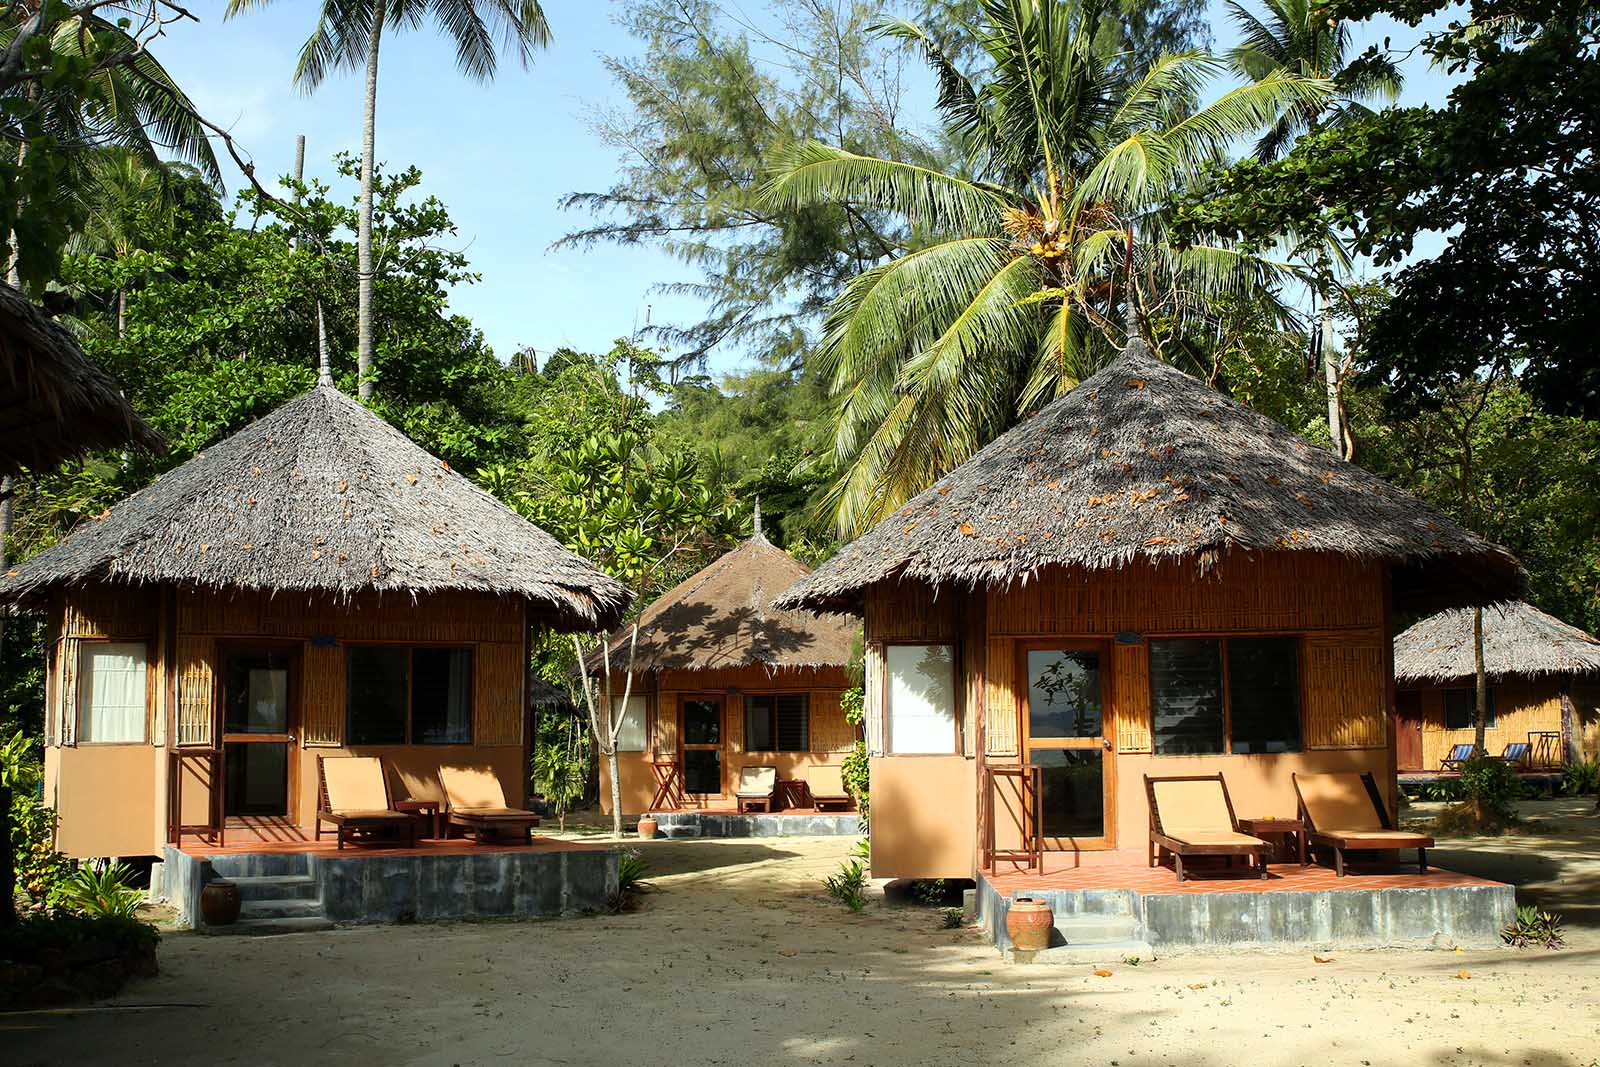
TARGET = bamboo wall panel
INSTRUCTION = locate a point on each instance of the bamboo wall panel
(666, 737)
(196, 691)
(999, 699)
(1520, 706)
(1345, 695)
(733, 724)
(110, 611)
(1293, 591)
(322, 706)
(756, 678)
(1130, 696)
(973, 655)
(444, 618)
(68, 659)
(872, 703)
(911, 612)
(829, 731)
(498, 676)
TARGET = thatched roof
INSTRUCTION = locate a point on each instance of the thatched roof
(723, 617)
(1518, 640)
(54, 402)
(322, 494)
(1144, 462)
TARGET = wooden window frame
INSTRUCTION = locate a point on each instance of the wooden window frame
(1299, 640)
(958, 748)
(150, 681)
(411, 648)
(773, 695)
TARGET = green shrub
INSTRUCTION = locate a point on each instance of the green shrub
(856, 771)
(1581, 778)
(1491, 786)
(34, 935)
(849, 885)
(631, 869)
(1533, 927)
(929, 891)
(101, 893)
(41, 870)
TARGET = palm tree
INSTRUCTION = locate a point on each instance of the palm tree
(349, 34)
(1033, 261)
(1297, 36)
(127, 203)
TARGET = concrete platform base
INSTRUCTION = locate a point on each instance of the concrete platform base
(728, 824)
(1241, 916)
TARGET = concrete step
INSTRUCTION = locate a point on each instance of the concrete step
(276, 887)
(1109, 954)
(1096, 929)
(280, 909)
(260, 864)
(262, 927)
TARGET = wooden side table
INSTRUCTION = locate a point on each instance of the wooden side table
(423, 809)
(1272, 824)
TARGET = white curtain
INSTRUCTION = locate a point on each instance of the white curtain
(631, 735)
(922, 699)
(111, 692)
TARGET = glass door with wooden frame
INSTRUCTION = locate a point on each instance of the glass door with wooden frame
(259, 718)
(1066, 734)
(700, 738)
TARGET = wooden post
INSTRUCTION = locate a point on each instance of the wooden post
(1391, 704)
(8, 871)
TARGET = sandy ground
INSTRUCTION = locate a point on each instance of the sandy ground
(739, 959)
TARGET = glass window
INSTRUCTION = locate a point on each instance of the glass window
(441, 696)
(778, 722)
(1186, 697)
(1461, 709)
(1072, 791)
(1264, 694)
(1063, 694)
(111, 692)
(702, 722)
(398, 695)
(921, 698)
(631, 732)
(256, 693)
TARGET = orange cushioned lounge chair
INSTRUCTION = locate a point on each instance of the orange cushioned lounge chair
(1192, 815)
(1345, 813)
(474, 801)
(353, 795)
(758, 787)
(826, 786)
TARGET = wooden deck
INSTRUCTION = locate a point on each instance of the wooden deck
(427, 847)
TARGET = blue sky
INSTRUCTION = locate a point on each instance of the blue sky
(500, 154)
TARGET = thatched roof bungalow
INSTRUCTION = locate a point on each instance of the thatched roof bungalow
(55, 403)
(1544, 679)
(1143, 577)
(315, 583)
(725, 681)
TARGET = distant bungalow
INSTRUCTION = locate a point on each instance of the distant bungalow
(314, 585)
(1544, 691)
(1144, 578)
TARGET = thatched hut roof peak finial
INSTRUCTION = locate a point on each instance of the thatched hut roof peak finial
(755, 523)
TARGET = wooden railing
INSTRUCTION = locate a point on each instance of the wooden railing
(1029, 857)
(213, 829)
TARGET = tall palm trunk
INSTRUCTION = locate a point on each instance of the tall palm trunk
(364, 268)
(1337, 432)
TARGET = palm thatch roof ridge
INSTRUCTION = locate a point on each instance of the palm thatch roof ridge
(722, 616)
(1518, 640)
(1142, 462)
(55, 403)
(323, 495)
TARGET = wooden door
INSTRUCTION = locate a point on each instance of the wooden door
(1408, 730)
(260, 715)
(700, 731)
(1067, 732)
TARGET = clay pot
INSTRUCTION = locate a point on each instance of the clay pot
(219, 903)
(648, 827)
(1029, 922)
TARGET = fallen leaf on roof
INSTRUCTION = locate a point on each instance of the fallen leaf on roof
(1160, 541)
(943, 489)
(1135, 383)
(343, 485)
(412, 478)
(966, 529)
(909, 527)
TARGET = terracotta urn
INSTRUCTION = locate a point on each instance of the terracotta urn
(1028, 923)
(219, 903)
(647, 827)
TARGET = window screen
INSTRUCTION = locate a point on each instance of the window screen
(1264, 694)
(921, 698)
(398, 695)
(1186, 696)
(441, 696)
(1461, 709)
(777, 722)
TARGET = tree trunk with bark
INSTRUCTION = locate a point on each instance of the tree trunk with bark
(364, 264)
(1481, 680)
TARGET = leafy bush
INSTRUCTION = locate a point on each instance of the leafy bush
(34, 935)
(631, 869)
(952, 919)
(1492, 787)
(1580, 778)
(561, 766)
(1445, 789)
(41, 870)
(929, 891)
(101, 893)
(848, 887)
(1533, 927)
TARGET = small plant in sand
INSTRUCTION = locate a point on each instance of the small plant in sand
(631, 884)
(952, 918)
(849, 885)
(1580, 778)
(1533, 927)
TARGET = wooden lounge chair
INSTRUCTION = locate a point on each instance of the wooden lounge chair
(1458, 755)
(475, 802)
(353, 795)
(826, 786)
(758, 788)
(1192, 815)
(1345, 812)
(1516, 754)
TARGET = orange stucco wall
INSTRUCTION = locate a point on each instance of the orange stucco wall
(105, 798)
(923, 817)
